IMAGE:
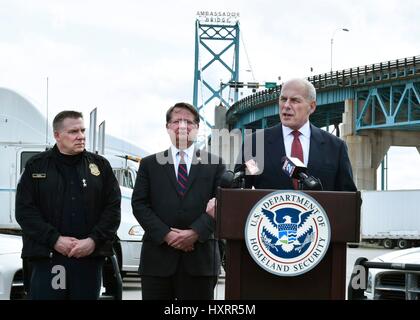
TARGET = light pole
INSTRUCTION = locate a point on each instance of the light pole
(332, 41)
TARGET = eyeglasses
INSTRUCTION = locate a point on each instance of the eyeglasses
(182, 121)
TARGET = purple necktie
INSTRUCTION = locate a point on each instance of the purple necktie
(182, 174)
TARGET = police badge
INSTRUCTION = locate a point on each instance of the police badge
(94, 169)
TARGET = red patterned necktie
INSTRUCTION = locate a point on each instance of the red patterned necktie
(182, 174)
(296, 152)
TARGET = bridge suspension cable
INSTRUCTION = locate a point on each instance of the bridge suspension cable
(247, 57)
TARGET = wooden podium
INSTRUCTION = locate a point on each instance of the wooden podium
(246, 280)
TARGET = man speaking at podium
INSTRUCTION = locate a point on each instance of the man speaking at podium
(324, 154)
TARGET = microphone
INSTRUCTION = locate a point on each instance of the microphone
(235, 179)
(230, 179)
(227, 179)
(295, 169)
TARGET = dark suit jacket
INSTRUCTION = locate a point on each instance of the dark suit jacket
(158, 207)
(328, 161)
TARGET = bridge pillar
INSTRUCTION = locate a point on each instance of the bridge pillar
(361, 156)
(220, 117)
(368, 147)
(365, 155)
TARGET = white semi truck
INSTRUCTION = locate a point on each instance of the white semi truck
(391, 218)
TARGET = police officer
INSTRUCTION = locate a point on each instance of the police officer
(68, 205)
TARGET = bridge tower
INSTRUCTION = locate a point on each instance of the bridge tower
(216, 61)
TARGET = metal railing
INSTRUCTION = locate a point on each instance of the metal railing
(260, 99)
(368, 74)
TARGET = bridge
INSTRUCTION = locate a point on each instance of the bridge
(371, 107)
(386, 95)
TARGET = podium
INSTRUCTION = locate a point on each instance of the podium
(246, 280)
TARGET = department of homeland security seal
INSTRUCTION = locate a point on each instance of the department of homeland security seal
(287, 233)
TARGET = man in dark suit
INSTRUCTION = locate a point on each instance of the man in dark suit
(324, 154)
(180, 258)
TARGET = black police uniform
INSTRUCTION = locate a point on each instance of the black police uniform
(75, 196)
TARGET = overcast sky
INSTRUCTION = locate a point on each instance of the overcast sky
(134, 59)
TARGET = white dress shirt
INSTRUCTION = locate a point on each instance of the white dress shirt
(305, 138)
(188, 155)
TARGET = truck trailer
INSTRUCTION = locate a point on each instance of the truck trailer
(391, 218)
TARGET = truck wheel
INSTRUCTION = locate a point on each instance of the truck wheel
(389, 244)
(403, 244)
(353, 245)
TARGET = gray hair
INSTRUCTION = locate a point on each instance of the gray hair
(309, 87)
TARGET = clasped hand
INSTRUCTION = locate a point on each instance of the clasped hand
(181, 239)
(72, 247)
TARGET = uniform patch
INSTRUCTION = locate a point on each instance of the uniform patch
(94, 169)
(287, 233)
(39, 175)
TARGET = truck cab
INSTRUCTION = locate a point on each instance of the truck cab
(14, 158)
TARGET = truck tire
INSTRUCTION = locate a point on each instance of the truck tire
(353, 245)
(388, 244)
(403, 244)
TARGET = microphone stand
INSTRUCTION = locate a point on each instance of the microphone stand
(242, 185)
(310, 183)
(300, 184)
